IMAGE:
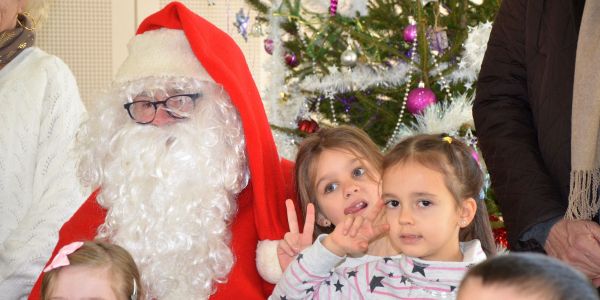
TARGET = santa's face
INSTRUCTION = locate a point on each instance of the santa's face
(169, 190)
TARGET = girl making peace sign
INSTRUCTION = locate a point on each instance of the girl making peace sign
(338, 173)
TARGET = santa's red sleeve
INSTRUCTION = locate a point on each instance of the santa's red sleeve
(81, 227)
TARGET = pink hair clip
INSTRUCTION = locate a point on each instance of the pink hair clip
(61, 259)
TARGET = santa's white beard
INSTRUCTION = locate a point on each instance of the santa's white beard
(170, 194)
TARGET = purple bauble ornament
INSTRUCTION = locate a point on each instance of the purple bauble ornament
(268, 44)
(410, 33)
(418, 99)
(291, 59)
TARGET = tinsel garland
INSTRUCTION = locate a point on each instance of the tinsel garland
(359, 78)
(472, 55)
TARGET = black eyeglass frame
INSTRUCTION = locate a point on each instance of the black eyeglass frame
(193, 96)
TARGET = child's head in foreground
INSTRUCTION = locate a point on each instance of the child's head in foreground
(525, 276)
(431, 188)
(92, 270)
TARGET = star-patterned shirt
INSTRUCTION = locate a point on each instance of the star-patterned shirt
(310, 276)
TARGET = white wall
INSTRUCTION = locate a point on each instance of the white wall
(91, 35)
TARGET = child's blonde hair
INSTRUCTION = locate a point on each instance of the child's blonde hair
(123, 271)
(462, 175)
(343, 137)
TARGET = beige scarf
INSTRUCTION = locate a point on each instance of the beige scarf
(584, 202)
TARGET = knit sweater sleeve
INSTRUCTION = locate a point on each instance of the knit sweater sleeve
(56, 192)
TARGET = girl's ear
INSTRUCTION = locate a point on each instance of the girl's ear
(322, 220)
(468, 209)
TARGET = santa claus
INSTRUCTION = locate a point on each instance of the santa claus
(188, 174)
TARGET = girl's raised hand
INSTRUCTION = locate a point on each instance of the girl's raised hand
(293, 242)
(353, 236)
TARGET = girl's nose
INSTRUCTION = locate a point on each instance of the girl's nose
(405, 216)
(350, 190)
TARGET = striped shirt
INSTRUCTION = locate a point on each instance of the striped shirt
(312, 276)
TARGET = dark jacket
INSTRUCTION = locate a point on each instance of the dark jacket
(522, 109)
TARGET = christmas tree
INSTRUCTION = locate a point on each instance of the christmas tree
(391, 67)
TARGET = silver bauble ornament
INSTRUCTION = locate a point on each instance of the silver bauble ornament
(348, 58)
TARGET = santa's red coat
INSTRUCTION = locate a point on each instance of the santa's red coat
(261, 205)
(243, 281)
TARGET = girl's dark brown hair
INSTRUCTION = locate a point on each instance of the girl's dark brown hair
(462, 175)
(122, 269)
(345, 138)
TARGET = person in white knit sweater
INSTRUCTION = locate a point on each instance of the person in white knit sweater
(40, 113)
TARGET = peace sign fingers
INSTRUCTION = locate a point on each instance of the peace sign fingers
(309, 227)
(291, 216)
(293, 242)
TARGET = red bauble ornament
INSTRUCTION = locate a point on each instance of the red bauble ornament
(308, 126)
(501, 237)
(494, 218)
(291, 60)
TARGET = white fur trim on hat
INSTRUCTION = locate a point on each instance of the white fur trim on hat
(267, 262)
(161, 52)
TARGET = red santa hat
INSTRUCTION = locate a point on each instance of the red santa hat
(177, 42)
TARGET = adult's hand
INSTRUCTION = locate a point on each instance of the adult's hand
(577, 242)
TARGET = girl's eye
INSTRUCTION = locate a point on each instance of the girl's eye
(330, 187)
(424, 203)
(358, 172)
(392, 203)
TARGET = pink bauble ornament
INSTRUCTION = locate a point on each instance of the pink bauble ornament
(475, 155)
(410, 33)
(291, 59)
(268, 44)
(333, 7)
(418, 99)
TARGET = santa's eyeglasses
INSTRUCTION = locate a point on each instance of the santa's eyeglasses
(177, 106)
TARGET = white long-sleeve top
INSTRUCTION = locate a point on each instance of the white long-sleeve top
(40, 112)
(310, 276)
(268, 266)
